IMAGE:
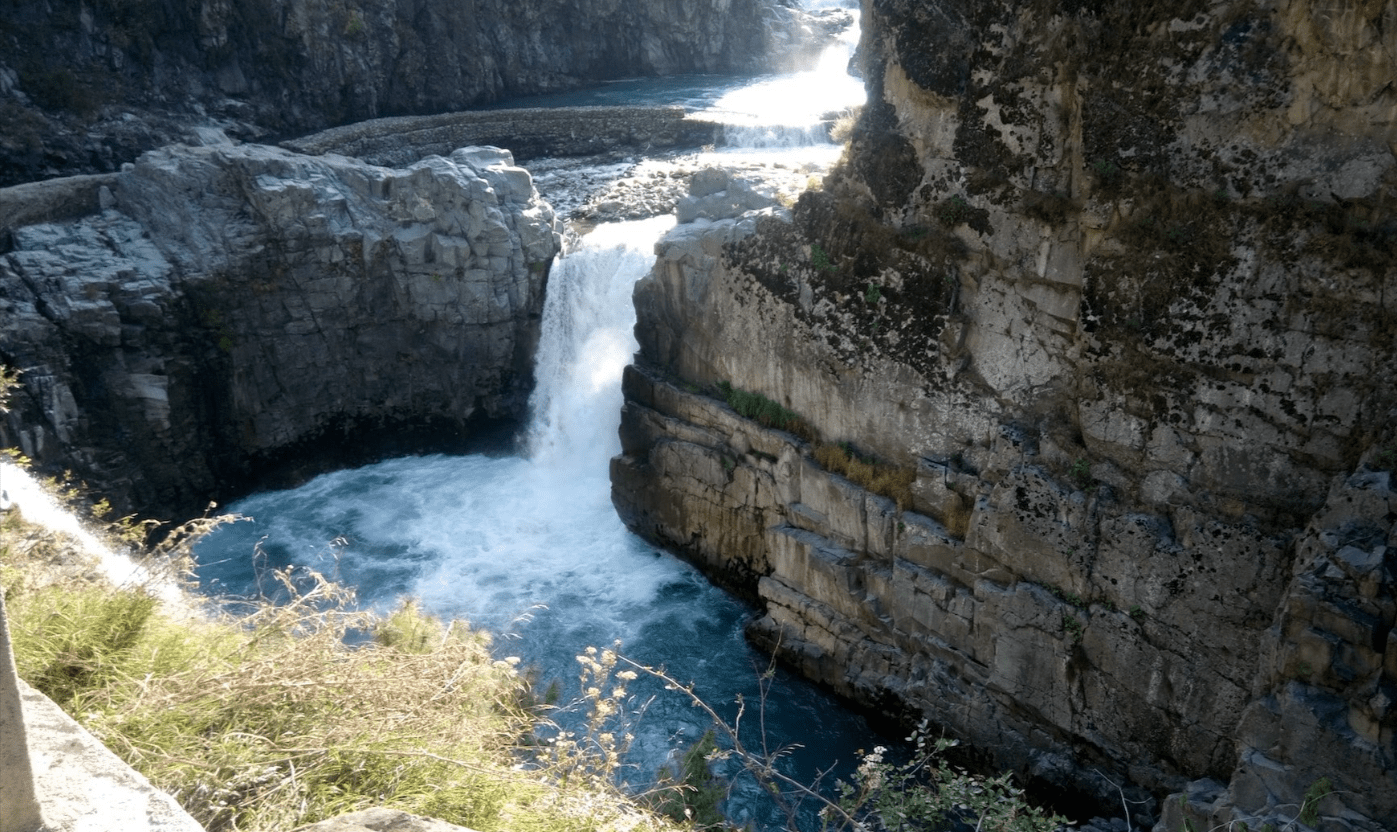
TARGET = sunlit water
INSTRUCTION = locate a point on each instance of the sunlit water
(786, 111)
(525, 542)
(783, 111)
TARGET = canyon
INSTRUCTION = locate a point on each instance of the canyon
(1106, 291)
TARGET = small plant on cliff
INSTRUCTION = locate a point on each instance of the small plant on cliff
(872, 294)
(693, 794)
(891, 481)
(9, 382)
(1080, 472)
(760, 409)
(842, 130)
(1108, 176)
(819, 258)
(928, 793)
(1073, 627)
(354, 27)
(953, 211)
(1387, 457)
(1309, 806)
(1069, 598)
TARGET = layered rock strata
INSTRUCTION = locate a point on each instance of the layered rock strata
(1113, 286)
(232, 306)
(86, 86)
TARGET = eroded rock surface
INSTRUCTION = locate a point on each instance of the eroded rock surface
(234, 305)
(1114, 284)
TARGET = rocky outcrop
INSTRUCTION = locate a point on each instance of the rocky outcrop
(1111, 285)
(82, 784)
(236, 307)
(86, 86)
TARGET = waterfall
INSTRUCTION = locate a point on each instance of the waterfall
(585, 343)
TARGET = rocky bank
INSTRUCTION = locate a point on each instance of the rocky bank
(86, 86)
(232, 309)
(1106, 294)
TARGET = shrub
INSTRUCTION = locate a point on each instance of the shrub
(927, 793)
(843, 128)
(694, 793)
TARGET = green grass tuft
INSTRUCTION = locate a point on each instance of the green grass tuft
(760, 409)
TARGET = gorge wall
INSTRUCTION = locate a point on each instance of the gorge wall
(1108, 291)
(86, 86)
(229, 309)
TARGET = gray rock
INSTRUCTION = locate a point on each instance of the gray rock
(709, 181)
(246, 300)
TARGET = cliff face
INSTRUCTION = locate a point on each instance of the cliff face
(73, 74)
(1112, 285)
(232, 306)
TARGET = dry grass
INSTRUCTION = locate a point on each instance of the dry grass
(287, 714)
(891, 481)
(843, 128)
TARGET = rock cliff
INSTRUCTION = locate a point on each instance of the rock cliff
(1102, 311)
(86, 86)
(235, 307)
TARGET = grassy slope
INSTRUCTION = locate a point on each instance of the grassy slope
(268, 720)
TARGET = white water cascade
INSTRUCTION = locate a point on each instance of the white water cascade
(530, 548)
(787, 111)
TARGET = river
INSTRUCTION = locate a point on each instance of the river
(521, 539)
